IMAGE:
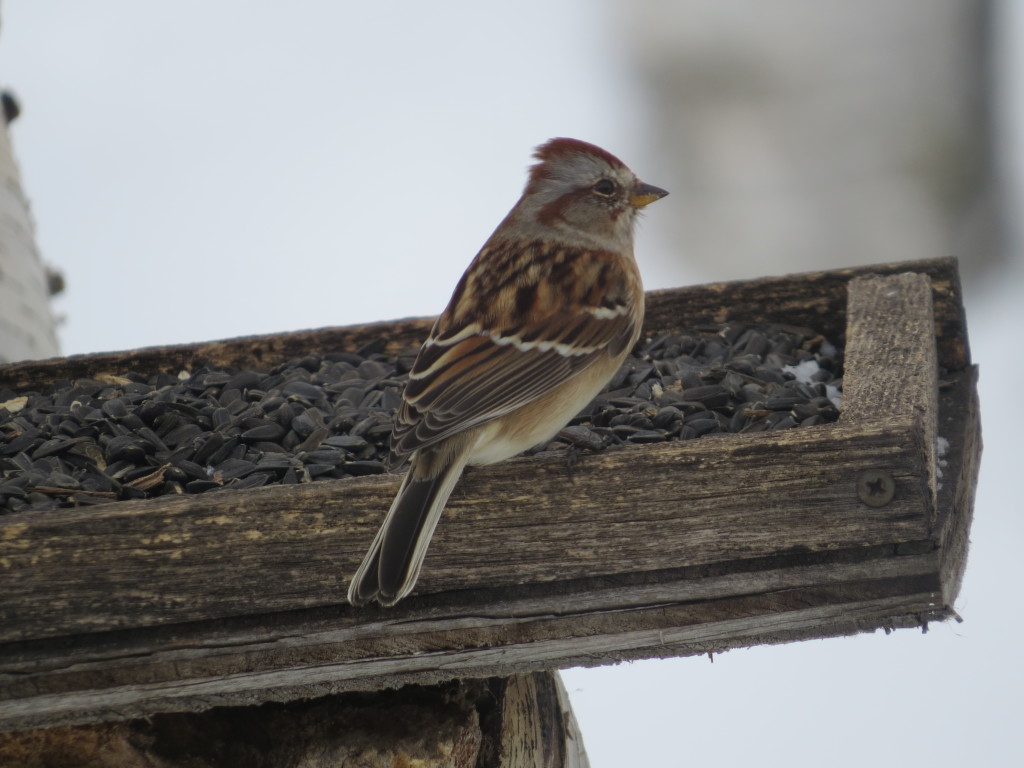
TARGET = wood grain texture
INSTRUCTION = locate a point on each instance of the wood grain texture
(523, 721)
(245, 352)
(890, 359)
(522, 522)
(960, 426)
(236, 597)
(537, 728)
(813, 299)
(816, 300)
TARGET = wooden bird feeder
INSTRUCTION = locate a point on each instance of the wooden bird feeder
(128, 609)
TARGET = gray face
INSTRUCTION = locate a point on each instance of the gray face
(583, 196)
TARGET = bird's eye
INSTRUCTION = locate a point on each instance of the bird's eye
(605, 187)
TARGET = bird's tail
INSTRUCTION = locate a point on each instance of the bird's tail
(392, 565)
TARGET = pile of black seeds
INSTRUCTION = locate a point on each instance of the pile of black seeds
(329, 416)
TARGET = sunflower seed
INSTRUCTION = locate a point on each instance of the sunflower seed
(326, 416)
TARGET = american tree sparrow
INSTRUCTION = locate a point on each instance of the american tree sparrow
(539, 322)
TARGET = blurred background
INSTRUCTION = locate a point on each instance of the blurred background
(193, 171)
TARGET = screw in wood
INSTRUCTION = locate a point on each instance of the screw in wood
(876, 487)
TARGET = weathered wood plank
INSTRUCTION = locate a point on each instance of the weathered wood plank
(813, 299)
(890, 360)
(960, 426)
(634, 509)
(537, 729)
(245, 352)
(468, 640)
(574, 601)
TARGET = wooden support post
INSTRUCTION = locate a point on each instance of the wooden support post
(522, 721)
(237, 598)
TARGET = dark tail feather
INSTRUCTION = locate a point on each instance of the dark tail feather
(390, 569)
(403, 534)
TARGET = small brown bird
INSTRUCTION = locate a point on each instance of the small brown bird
(539, 322)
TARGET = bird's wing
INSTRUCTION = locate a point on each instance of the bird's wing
(510, 336)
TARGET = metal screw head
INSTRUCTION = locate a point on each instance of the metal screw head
(875, 487)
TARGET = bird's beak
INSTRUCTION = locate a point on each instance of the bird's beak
(645, 194)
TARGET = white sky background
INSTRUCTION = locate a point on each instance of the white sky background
(205, 170)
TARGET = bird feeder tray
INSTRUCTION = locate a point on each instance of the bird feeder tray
(125, 609)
